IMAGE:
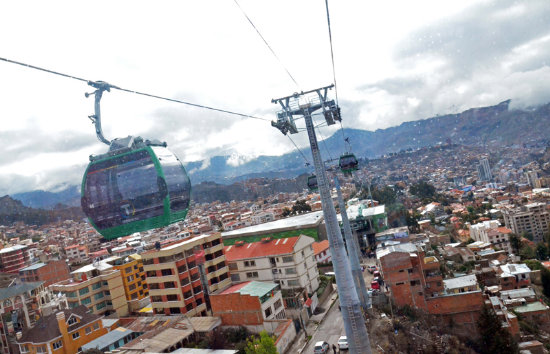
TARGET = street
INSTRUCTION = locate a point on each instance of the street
(332, 326)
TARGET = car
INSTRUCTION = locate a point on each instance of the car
(376, 274)
(372, 268)
(321, 347)
(343, 342)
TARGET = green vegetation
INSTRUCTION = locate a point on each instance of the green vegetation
(300, 207)
(493, 337)
(311, 232)
(324, 281)
(422, 190)
(265, 344)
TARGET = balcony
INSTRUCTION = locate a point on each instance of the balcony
(160, 292)
(213, 249)
(165, 278)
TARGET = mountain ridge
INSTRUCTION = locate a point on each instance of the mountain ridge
(476, 126)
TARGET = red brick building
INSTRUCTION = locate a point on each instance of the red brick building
(50, 273)
(13, 258)
(249, 303)
(415, 280)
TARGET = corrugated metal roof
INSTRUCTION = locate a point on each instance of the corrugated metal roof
(107, 339)
(33, 267)
(6, 293)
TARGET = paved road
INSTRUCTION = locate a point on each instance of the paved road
(332, 326)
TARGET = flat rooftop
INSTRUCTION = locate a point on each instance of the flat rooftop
(308, 220)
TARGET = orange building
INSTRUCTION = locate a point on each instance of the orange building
(63, 332)
(133, 276)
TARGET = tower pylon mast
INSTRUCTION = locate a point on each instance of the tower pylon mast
(353, 251)
(354, 323)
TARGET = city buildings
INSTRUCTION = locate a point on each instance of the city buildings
(181, 275)
(77, 253)
(484, 170)
(64, 332)
(289, 262)
(248, 303)
(98, 286)
(13, 258)
(20, 306)
(49, 273)
(322, 252)
(491, 232)
(532, 219)
(133, 278)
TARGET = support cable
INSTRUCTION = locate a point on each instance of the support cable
(267, 44)
(136, 92)
(300, 151)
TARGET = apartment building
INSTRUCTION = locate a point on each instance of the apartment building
(289, 262)
(414, 279)
(133, 276)
(13, 258)
(62, 333)
(98, 286)
(533, 219)
(491, 232)
(409, 274)
(181, 275)
(50, 273)
(77, 253)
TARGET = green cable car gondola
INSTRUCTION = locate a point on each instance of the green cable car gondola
(348, 163)
(137, 186)
(312, 183)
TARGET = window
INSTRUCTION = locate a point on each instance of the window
(130, 278)
(235, 277)
(249, 263)
(24, 348)
(96, 326)
(41, 349)
(290, 270)
(172, 297)
(107, 293)
(252, 274)
(96, 286)
(151, 273)
(76, 335)
(166, 272)
(84, 291)
(169, 285)
(71, 294)
(277, 304)
(400, 283)
(233, 266)
(128, 270)
(72, 320)
(58, 344)
(288, 259)
(100, 305)
(98, 296)
(132, 287)
(293, 283)
(86, 301)
(268, 312)
(88, 330)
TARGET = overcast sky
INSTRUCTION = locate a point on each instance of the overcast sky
(395, 61)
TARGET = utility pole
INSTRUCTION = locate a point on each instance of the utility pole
(353, 252)
(354, 323)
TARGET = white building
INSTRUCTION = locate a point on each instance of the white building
(289, 262)
(491, 232)
(533, 219)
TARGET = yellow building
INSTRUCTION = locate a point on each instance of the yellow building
(133, 277)
(98, 286)
(63, 332)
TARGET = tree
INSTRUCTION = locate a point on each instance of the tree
(515, 242)
(422, 190)
(541, 251)
(262, 345)
(527, 252)
(286, 212)
(493, 337)
(300, 207)
(545, 279)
